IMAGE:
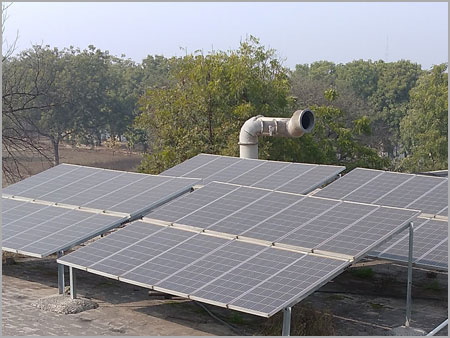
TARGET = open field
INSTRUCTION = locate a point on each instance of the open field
(101, 157)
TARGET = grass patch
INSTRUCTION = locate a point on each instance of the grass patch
(107, 284)
(305, 321)
(364, 272)
(433, 286)
(376, 306)
(336, 297)
(236, 318)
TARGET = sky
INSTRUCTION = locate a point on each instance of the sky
(300, 32)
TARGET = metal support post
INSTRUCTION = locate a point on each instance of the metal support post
(408, 286)
(73, 283)
(286, 321)
(60, 275)
(439, 328)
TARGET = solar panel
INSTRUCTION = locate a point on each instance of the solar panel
(430, 245)
(275, 217)
(243, 274)
(436, 257)
(211, 269)
(40, 230)
(289, 286)
(102, 189)
(443, 212)
(426, 193)
(377, 226)
(281, 176)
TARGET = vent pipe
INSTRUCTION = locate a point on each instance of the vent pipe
(302, 121)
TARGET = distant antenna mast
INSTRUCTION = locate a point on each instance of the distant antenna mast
(386, 54)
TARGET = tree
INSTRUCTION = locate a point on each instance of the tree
(25, 82)
(210, 98)
(19, 94)
(424, 129)
(361, 76)
(334, 140)
(390, 100)
(8, 48)
(75, 103)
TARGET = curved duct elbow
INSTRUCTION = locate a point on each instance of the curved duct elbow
(250, 130)
(301, 122)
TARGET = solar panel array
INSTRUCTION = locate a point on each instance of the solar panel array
(241, 247)
(297, 178)
(103, 189)
(251, 243)
(64, 205)
(275, 217)
(223, 272)
(426, 193)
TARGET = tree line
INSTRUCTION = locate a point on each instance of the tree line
(368, 113)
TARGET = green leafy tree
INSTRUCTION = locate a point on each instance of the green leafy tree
(334, 140)
(390, 101)
(424, 129)
(210, 98)
(361, 76)
(77, 99)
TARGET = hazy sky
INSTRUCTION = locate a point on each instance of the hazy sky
(300, 32)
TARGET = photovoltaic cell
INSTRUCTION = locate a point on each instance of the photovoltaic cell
(216, 165)
(344, 186)
(207, 268)
(289, 286)
(269, 207)
(243, 275)
(278, 225)
(311, 179)
(435, 201)
(129, 239)
(41, 230)
(316, 230)
(189, 165)
(281, 176)
(407, 193)
(208, 204)
(443, 212)
(429, 245)
(437, 257)
(369, 230)
(102, 189)
(426, 193)
(188, 247)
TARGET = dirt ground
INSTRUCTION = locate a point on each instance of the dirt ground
(100, 157)
(362, 301)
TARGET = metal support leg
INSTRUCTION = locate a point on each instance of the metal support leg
(73, 283)
(408, 287)
(439, 328)
(286, 321)
(60, 275)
